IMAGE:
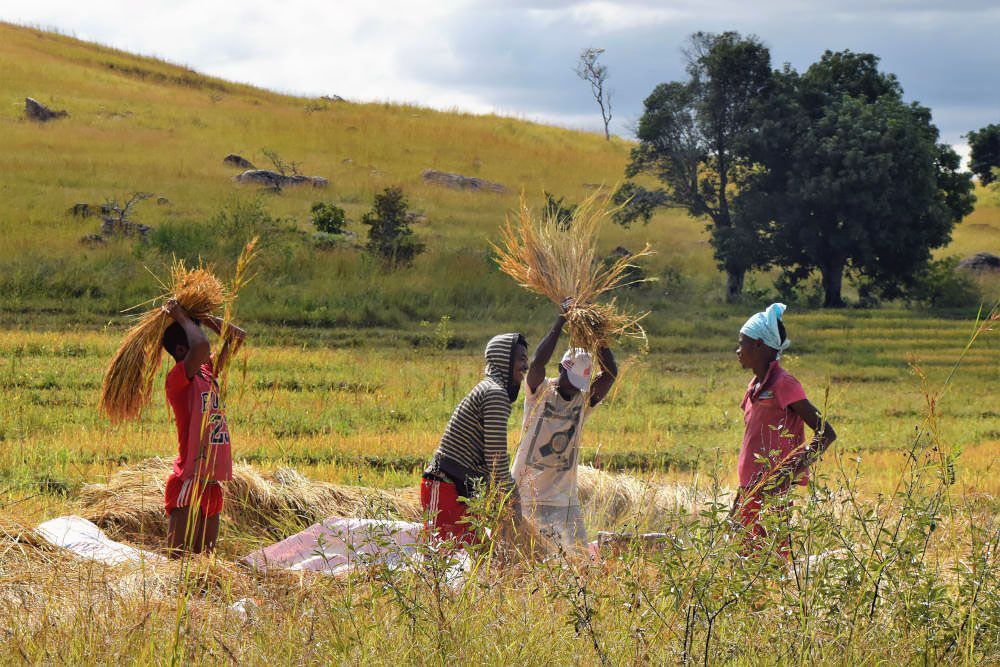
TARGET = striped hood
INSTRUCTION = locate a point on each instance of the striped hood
(499, 360)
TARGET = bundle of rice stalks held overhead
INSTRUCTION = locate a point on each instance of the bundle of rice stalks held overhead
(128, 381)
(558, 259)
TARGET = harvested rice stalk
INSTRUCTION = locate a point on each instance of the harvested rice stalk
(130, 504)
(559, 260)
(128, 380)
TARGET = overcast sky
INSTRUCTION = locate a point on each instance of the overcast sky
(516, 57)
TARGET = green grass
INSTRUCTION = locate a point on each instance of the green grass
(139, 124)
(351, 373)
(378, 410)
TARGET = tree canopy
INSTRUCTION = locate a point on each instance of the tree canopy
(829, 170)
(984, 156)
(693, 137)
(856, 178)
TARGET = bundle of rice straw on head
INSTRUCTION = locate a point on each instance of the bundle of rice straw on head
(559, 260)
(128, 380)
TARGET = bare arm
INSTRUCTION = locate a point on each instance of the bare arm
(606, 378)
(199, 349)
(823, 437)
(233, 339)
(543, 353)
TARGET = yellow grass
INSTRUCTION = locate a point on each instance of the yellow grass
(130, 505)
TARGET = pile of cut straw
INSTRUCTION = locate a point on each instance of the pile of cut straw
(128, 380)
(559, 260)
(613, 498)
(130, 504)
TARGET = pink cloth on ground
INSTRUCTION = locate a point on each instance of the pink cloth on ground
(337, 546)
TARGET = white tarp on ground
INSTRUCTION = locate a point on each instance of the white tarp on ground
(336, 546)
(87, 540)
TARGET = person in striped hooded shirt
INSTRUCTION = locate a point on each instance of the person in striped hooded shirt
(472, 456)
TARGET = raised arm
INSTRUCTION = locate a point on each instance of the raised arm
(233, 337)
(606, 378)
(543, 353)
(199, 349)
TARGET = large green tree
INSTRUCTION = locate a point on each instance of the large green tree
(853, 177)
(693, 138)
(984, 152)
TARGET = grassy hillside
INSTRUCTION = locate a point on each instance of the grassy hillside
(139, 124)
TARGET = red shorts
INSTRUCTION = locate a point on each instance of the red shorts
(440, 502)
(179, 492)
(755, 535)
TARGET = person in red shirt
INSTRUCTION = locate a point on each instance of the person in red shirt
(204, 456)
(775, 454)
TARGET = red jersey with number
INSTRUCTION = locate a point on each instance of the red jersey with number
(202, 432)
(772, 430)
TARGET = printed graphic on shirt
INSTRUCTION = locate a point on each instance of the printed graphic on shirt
(216, 426)
(551, 439)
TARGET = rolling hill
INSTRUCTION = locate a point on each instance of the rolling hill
(138, 124)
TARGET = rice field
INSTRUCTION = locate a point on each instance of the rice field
(350, 374)
(377, 412)
(370, 417)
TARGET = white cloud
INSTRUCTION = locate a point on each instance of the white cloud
(348, 48)
(517, 57)
(599, 16)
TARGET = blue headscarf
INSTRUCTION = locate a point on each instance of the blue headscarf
(764, 327)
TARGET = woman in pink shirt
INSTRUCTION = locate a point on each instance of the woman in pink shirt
(775, 454)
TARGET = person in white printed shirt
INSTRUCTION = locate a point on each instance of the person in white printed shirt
(555, 409)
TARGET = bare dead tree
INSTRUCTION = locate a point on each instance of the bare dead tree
(280, 166)
(116, 215)
(596, 74)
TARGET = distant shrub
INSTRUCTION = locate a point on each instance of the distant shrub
(280, 165)
(941, 285)
(389, 235)
(328, 218)
(242, 219)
